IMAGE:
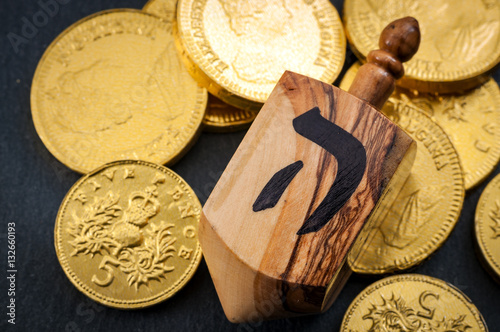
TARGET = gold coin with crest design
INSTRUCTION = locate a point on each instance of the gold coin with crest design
(412, 302)
(470, 119)
(460, 42)
(219, 116)
(239, 49)
(427, 208)
(112, 87)
(487, 227)
(126, 234)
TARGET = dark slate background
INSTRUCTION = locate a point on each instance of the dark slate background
(33, 184)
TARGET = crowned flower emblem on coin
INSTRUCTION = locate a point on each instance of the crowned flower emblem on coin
(126, 234)
(394, 315)
(104, 229)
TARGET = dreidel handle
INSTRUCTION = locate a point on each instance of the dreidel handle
(375, 80)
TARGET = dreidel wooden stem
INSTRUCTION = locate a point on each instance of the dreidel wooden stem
(315, 171)
(375, 80)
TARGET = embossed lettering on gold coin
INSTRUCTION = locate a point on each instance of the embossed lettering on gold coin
(487, 227)
(126, 234)
(471, 120)
(239, 49)
(460, 42)
(412, 303)
(112, 87)
(428, 206)
(219, 116)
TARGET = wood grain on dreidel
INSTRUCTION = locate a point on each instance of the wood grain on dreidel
(261, 264)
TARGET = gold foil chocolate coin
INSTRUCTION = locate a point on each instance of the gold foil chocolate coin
(222, 117)
(487, 227)
(460, 42)
(164, 9)
(219, 116)
(126, 234)
(427, 208)
(112, 87)
(471, 120)
(412, 302)
(239, 49)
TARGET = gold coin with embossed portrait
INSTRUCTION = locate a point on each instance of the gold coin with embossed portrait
(412, 302)
(471, 120)
(126, 234)
(219, 116)
(487, 227)
(427, 208)
(239, 49)
(460, 42)
(112, 87)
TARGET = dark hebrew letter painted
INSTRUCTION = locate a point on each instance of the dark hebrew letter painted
(271, 194)
(351, 160)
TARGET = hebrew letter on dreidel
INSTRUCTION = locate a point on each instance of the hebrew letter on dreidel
(351, 158)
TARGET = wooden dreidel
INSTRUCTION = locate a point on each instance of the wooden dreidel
(317, 165)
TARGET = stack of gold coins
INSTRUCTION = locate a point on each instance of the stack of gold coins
(112, 87)
(449, 105)
(114, 97)
(238, 50)
(219, 116)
